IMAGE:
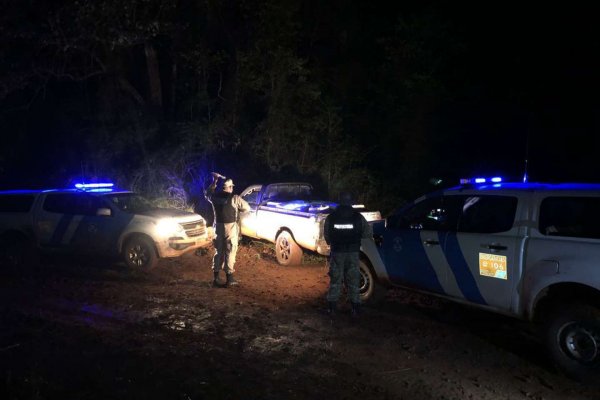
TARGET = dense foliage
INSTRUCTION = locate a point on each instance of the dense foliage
(158, 93)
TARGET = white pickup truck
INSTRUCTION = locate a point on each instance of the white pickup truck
(94, 221)
(286, 214)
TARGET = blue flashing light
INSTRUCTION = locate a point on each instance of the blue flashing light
(100, 190)
(102, 187)
(466, 181)
(84, 186)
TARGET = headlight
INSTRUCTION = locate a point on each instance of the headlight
(168, 227)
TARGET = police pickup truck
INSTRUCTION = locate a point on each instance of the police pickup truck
(288, 215)
(531, 251)
(94, 219)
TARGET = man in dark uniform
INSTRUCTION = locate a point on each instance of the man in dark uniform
(344, 230)
(226, 208)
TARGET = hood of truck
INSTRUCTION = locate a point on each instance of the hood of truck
(169, 213)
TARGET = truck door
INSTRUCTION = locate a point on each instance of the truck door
(412, 243)
(248, 219)
(58, 225)
(102, 231)
(483, 254)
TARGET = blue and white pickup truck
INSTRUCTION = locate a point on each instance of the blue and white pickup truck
(96, 221)
(288, 215)
(527, 250)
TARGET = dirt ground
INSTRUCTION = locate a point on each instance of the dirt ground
(93, 330)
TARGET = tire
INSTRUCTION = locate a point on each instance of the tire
(371, 292)
(572, 335)
(287, 250)
(139, 253)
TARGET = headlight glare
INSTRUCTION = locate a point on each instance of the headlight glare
(168, 227)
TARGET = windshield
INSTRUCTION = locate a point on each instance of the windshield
(130, 202)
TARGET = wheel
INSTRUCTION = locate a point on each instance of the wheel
(287, 250)
(573, 339)
(371, 292)
(139, 253)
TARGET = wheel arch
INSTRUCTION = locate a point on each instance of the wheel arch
(284, 229)
(562, 293)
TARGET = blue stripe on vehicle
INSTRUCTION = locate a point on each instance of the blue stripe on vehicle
(413, 265)
(460, 268)
(60, 230)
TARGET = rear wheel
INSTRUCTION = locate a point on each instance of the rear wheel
(371, 291)
(139, 253)
(573, 339)
(287, 250)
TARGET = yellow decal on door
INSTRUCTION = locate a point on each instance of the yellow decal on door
(492, 265)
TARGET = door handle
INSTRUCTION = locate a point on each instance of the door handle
(494, 246)
(430, 242)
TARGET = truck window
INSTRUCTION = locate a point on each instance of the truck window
(570, 216)
(487, 214)
(16, 202)
(72, 203)
(436, 213)
(251, 197)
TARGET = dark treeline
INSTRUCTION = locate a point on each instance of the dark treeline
(155, 94)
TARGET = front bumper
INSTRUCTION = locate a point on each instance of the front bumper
(176, 246)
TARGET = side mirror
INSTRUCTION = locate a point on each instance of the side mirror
(103, 212)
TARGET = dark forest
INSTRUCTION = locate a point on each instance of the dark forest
(349, 95)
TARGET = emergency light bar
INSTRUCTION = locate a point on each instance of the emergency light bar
(466, 181)
(95, 187)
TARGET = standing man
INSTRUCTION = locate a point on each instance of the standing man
(226, 209)
(344, 230)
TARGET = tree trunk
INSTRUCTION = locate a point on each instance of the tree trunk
(153, 78)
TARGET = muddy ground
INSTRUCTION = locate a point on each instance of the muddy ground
(81, 329)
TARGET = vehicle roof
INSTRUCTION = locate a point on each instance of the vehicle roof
(530, 187)
(36, 191)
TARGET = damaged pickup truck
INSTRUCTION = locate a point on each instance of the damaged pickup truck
(288, 215)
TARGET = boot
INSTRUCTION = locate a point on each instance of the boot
(355, 311)
(231, 280)
(217, 280)
(331, 308)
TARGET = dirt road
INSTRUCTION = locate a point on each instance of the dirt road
(72, 330)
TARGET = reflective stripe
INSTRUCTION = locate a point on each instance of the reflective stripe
(71, 229)
(343, 226)
(61, 227)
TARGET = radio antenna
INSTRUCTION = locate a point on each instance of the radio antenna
(525, 173)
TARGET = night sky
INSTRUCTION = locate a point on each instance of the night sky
(522, 84)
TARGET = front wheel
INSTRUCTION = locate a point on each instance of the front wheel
(371, 291)
(139, 253)
(573, 338)
(287, 250)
